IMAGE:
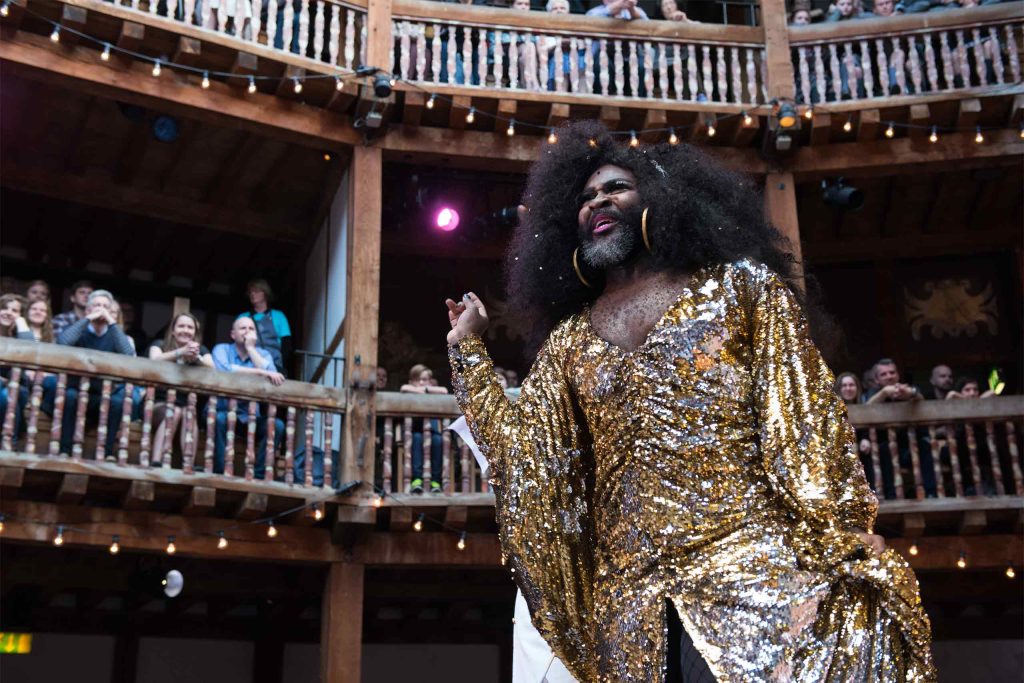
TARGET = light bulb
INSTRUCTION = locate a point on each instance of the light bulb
(890, 131)
(327, 156)
(221, 541)
(848, 126)
(393, 82)
(979, 138)
(913, 549)
(430, 102)
(592, 142)
(711, 130)
(338, 85)
(511, 130)
(962, 561)
(298, 86)
(55, 36)
(206, 80)
(1010, 573)
(378, 501)
(418, 525)
(58, 540)
(471, 115)
(1022, 131)
(552, 138)
(115, 545)
(105, 55)
(5, 9)
(673, 139)
(809, 113)
(252, 85)
(747, 118)
(318, 514)
(934, 135)
(156, 68)
(171, 548)
(633, 141)
(271, 529)
(2, 518)
(462, 541)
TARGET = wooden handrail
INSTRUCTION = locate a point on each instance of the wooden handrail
(430, 10)
(906, 23)
(56, 358)
(396, 403)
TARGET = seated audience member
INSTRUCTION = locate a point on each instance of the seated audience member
(183, 346)
(38, 290)
(272, 329)
(968, 387)
(420, 378)
(12, 321)
(801, 17)
(40, 321)
(869, 384)
(12, 324)
(512, 378)
(618, 9)
(97, 331)
(881, 9)
(80, 292)
(939, 385)
(842, 10)
(670, 11)
(243, 355)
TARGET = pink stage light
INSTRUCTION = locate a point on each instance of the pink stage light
(447, 219)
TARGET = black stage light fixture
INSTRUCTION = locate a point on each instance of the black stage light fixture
(381, 85)
(840, 195)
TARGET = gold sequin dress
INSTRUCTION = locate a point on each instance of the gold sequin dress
(712, 466)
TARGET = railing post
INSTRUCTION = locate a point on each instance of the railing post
(378, 34)
(781, 83)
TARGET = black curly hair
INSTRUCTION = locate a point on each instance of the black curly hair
(699, 214)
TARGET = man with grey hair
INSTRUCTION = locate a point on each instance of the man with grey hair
(96, 331)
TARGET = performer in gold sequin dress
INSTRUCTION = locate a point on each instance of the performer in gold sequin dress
(695, 458)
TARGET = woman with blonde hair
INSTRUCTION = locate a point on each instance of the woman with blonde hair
(40, 321)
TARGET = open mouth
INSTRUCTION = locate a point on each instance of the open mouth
(602, 223)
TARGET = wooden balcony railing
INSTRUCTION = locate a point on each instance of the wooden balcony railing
(89, 405)
(940, 449)
(919, 54)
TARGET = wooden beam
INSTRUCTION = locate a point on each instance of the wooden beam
(339, 335)
(73, 18)
(189, 51)
(920, 117)
(245, 64)
(412, 108)
(941, 552)
(139, 496)
(341, 100)
(72, 489)
(610, 117)
(201, 501)
(425, 548)
(1016, 117)
(655, 118)
(341, 633)
(973, 523)
(780, 206)
(11, 479)
(253, 506)
(378, 34)
(867, 125)
(460, 105)
(286, 86)
(968, 112)
(821, 128)
(455, 516)
(558, 114)
(913, 525)
(401, 519)
(745, 131)
(778, 56)
(506, 111)
(362, 311)
(130, 39)
(77, 68)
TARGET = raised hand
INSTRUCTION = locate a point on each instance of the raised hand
(466, 317)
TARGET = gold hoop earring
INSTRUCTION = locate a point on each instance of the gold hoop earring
(643, 231)
(579, 273)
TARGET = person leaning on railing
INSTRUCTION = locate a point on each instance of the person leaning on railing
(97, 331)
(848, 388)
(181, 345)
(421, 382)
(12, 324)
(243, 356)
(968, 389)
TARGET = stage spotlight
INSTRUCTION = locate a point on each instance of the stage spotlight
(173, 583)
(447, 219)
(381, 85)
(786, 115)
(842, 196)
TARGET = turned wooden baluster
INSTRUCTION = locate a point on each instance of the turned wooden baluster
(962, 61)
(663, 70)
(257, 17)
(894, 457)
(428, 473)
(399, 450)
(720, 68)
(542, 64)
(334, 40)
(386, 448)
(362, 40)
(188, 436)
(272, 7)
(404, 43)
(997, 62)
(59, 398)
(350, 38)
(446, 458)
(980, 67)
(898, 64)
(467, 58)
(692, 67)
(678, 82)
(851, 70)
(705, 69)
(407, 451)
(833, 63)
(819, 74)
(620, 79)
(930, 66)
(250, 441)
(307, 469)
(481, 56)
(867, 67)
(751, 77)
(10, 417)
(304, 27)
(435, 55)
(513, 60)
(450, 66)
(805, 74)
(972, 458)
(954, 461)
(34, 404)
(190, 12)
(162, 457)
(940, 484)
(78, 438)
(464, 485)
(1011, 49)
(288, 26)
(993, 454)
(633, 60)
(147, 427)
(270, 456)
(947, 60)
(915, 464)
(421, 53)
(211, 432)
(289, 447)
(207, 18)
(876, 463)
(559, 55)
(1011, 444)
(498, 59)
(103, 428)
(229, 440)
(915, 63)
(328, 418)
(603, 74)
(574, 65)
(649, 69)
(318, 31)
(588, 65)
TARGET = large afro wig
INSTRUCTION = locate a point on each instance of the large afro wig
(699, 214)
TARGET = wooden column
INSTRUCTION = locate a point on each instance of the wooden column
(378, 34)
(341, 631)
(781, 83)
(361, 314)
(780, 206)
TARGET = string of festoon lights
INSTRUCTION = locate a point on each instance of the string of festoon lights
(786, 113)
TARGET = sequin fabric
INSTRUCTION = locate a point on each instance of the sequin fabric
(712, 466)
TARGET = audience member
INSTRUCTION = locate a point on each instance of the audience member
(129, 323)
(12, 321)
(420, 378)
(512, 377)
(243, 355)
(842, 10)
(882, 9)
(272, 329)
(670, 11)
(40, 320)
(968, 387)
(98, 331)
(38, 290)
(848, 388)
(382, 378)
(940, 384)
(887, 377)
(80, 292)
(973, 441)
(619, 9)
(801, 17)
(182, 345)
(550, 43)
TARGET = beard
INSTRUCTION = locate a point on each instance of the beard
(617, 248)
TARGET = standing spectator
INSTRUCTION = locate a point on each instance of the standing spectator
(670, 11)
(80, 292)
(550, 43)
(182, 345)
(512, 378)
(940, 384)
(848, 388)
(382, 378)
(869, 384)
(420, 378)
(12, 324)
(968, 388)
(243, 355)
(38, 290)
(882, 8)
(273, 332)
(40, 320)
(801, 17)
(887, 376)
(97, 331)
(842, 10)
